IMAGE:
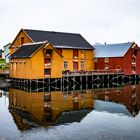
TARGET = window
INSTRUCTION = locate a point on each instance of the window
(118, 67)
(47, 61)
(65, 64)
(134, 52)
(75, 53)
(95, 60)
(48, 53)
(47, 71)
(22, 40)
(133, 60)
(133, 68)
(83, 54)
(75, 66)
(106, 60)
(82, 64)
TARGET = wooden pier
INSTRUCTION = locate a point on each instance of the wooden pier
(79, 80)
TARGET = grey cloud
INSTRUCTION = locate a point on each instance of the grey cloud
(96, 20)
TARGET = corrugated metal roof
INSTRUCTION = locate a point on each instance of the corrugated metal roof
(67, 40)
(112, 50)
(26, 50)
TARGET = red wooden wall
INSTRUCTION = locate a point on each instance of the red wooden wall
(124, 63)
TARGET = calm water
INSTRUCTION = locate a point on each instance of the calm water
(101, 114)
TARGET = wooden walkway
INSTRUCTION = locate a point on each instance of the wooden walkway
(94, 72)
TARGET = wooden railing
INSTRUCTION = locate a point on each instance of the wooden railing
(82, 72)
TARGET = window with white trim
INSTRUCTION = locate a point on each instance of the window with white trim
(106, 60)
(82, 64)
(65, 64)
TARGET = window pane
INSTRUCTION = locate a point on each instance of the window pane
(47, 71)
(65, 64)
(106, 60)
(75, 53)
(82, 65)
(22, 40)
(75, 65)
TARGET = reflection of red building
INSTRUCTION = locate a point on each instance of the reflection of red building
(128, 95)
(124, 56)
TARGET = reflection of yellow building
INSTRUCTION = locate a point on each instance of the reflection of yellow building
(68, 102)
(39, 60)
(45, 108)
(27, 101)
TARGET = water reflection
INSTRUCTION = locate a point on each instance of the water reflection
(44, 109)
(129, 96)
(31, 110)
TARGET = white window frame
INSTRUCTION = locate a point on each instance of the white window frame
(65, 64)
(106, 60)
(82, 64)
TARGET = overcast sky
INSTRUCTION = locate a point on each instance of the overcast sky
(110, 21)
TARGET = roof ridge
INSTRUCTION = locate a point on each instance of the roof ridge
(51, 31)
(34, 43)
(114, 43)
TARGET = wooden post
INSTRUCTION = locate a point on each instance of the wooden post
(30, 85)
(86, 82)
(49, 85)
(103, 80)
(108, 80)
(37, 85)
(43, 85)
(92, 81)
(80, 82)
(61, 84)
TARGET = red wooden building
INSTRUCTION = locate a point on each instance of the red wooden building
(123, 56)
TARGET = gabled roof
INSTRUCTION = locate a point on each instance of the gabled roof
(59, 39)
(26, 50)
(29, 49)
(112, 50)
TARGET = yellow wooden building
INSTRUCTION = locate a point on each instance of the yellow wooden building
(39, 54)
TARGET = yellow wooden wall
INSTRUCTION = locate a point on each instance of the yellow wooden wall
(17, 41)
(32, 69)
(19, 69)
(86, 56)
(34, 66)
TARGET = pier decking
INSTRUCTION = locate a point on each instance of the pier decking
(94, 72)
